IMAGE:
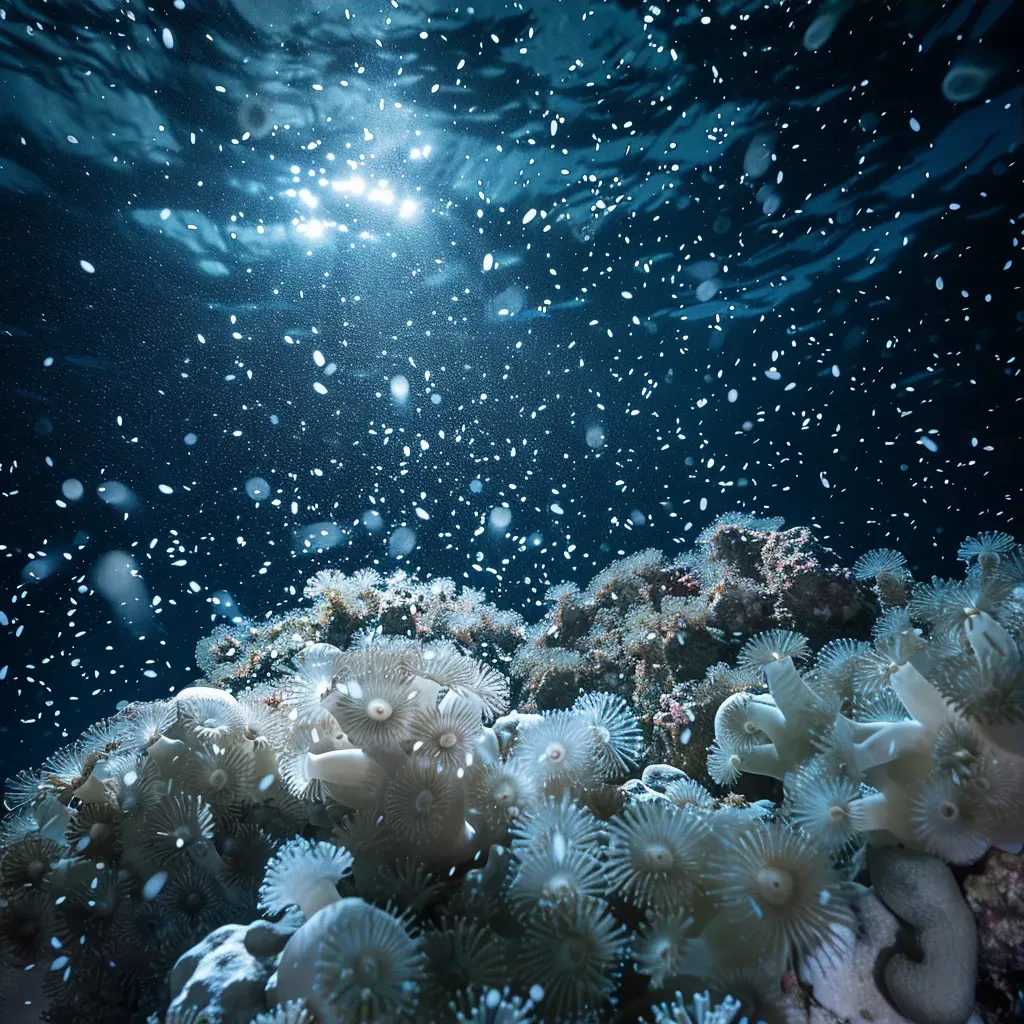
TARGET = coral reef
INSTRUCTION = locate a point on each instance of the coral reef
(404, 804)
(660, 633)
(996, 898)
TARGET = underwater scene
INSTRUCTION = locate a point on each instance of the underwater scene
(510, 512)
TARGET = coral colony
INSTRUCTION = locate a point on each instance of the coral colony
(746, 784)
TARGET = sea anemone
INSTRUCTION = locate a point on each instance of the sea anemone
(460, 955)
(28, 862)
(701, 1010)
(688, 794)
(557, 873)
(245, 850)
(373, 700)
(138, 785)
(836, 663)
(24, 789)
(880, 561)
(617, 736)
(210, 715)
(942, 604)
(985, 543)
(445, 736)
(176, 826)
(294, 1011)
(494, 1006)
(365, 834)
(95, 831)
(573, 952)
(779, 885)
(419, 803)
(368, 965)
(949, 821)
(874, 672)
(303, 873)
(26, 926)
(303, 690)
(445, 665)
(663, 945)
(818, 802)
(222, 776)
(407, 884)
(559, 748)
(769, 647)
(263, 725)
(195, 898)
(654, 853)
(991, 693)
(503, 789)
(325, 583)
(553, 821)
(144, 723)
(741, 722)
(726, 765)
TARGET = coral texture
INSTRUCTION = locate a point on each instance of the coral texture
(404, 804)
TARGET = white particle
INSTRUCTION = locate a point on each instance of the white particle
(488, 261)
(87, 266)
(319, 388)
(399, 388)
(165, 489)
(72, 489)
(257, 488)
(318, 358)
(153, 885)
(168, 38)
(915, 125)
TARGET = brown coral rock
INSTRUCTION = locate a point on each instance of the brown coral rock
(996, 897)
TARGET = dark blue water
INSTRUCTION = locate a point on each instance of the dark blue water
(610, 269)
